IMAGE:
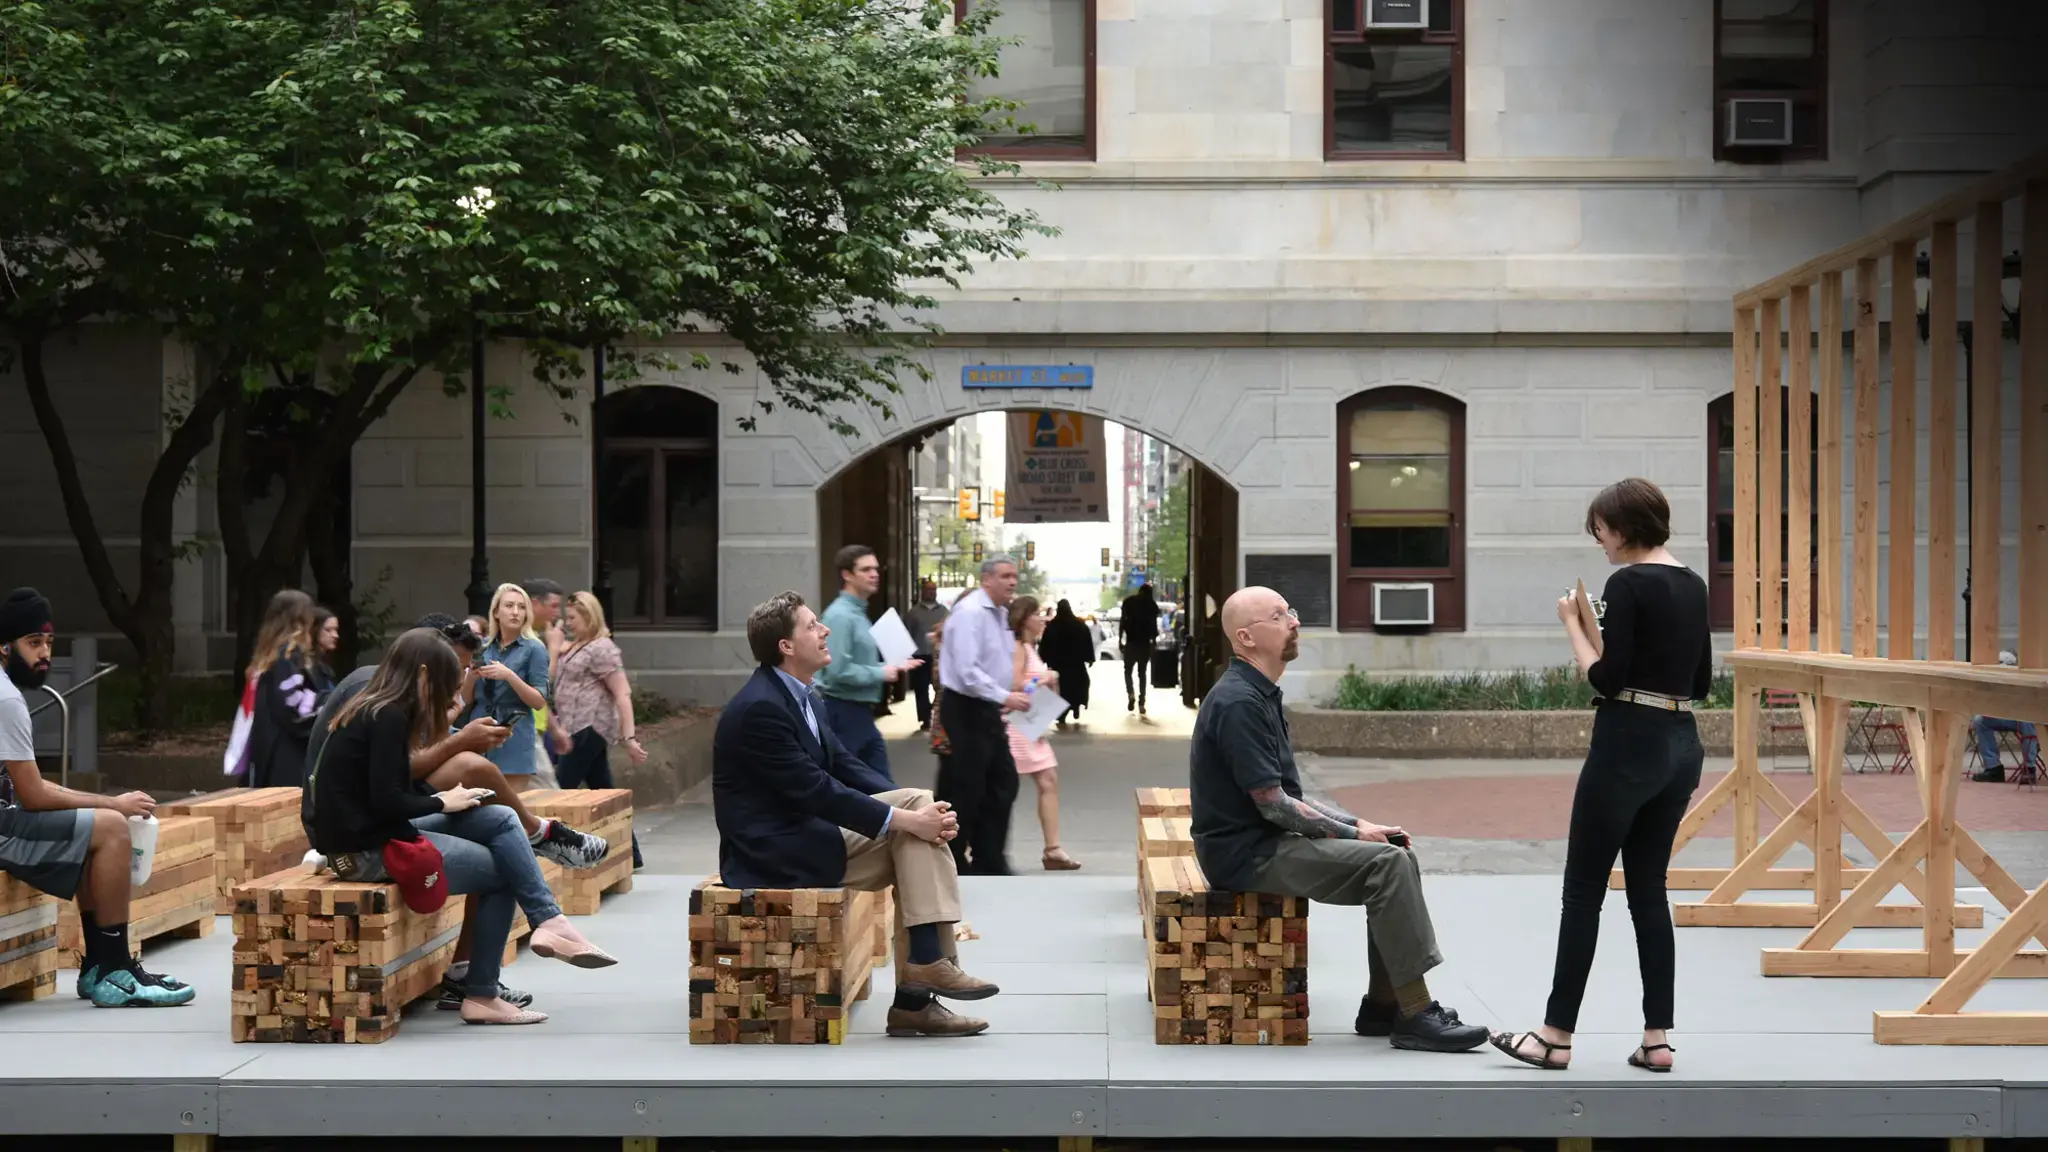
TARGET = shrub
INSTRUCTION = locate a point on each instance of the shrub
(1523, 690)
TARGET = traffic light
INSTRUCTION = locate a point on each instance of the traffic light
(999, 504)
(1105, 557)
(977, 551)
(970, 503)
(1030, 546)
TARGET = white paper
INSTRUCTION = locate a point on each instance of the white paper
(893, 638)
(1046, 707)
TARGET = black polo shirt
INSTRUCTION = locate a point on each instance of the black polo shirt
(1240, 744)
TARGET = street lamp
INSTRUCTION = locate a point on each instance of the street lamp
(2008, 303)
(478, 203)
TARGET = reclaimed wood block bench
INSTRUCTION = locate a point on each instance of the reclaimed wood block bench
(256, 832)
(606, 812)
(319, 960)
(1156, 804)
(1159, 836)
(179, 899)
(28, 941)
(1224, 967)
(782, 965)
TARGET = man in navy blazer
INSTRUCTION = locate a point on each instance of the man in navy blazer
(795, 809)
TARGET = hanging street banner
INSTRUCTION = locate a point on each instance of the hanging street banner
(1057, 469)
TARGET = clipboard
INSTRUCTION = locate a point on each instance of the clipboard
(1588, 618)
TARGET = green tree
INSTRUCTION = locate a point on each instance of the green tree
(1031, 579)
(951, 551)
(327, 201)
(1168, 526)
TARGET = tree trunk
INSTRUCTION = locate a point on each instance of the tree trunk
(144, 618)
(334, 589)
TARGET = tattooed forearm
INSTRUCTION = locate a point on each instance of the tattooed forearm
(1300, 818)
(1330, 810)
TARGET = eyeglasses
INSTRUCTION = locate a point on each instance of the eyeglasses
(1284, 614)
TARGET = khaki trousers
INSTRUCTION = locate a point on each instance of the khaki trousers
(926, 881)
(1400, 939)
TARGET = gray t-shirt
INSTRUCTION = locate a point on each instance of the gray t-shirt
(17, 736)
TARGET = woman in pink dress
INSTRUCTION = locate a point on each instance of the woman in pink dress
(1034, 757)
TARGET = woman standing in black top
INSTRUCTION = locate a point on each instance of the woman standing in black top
(1640, 772)
(287, 697)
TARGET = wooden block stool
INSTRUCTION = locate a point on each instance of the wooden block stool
(320, 960)
(1225, 967)
(606, 812)
(1159, 836)
(28, 941)
(178, 900)
(256, 832)
(1163, 802)
(778, 966)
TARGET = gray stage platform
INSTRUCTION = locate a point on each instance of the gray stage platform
(1070, 1053)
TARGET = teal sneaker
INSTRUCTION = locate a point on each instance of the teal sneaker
(131, 987)
(87, 977)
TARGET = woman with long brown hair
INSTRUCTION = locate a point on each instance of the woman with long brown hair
(286, 698)
(362, 802)
(1034, 757)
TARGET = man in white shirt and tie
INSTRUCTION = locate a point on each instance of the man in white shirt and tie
(975, 679)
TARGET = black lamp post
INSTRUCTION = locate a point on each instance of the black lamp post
(602, 587)
(2009, 303)
(479, 592)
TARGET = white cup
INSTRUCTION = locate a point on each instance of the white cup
(142, 844)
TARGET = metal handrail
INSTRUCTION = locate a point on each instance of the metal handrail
(105, 670)
(64, 714)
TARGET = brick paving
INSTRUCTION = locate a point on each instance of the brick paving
(1538, 807)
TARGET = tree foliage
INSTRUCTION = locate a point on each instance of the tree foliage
(1168, 525)
(327, 200)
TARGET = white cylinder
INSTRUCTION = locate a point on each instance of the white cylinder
(142, 844)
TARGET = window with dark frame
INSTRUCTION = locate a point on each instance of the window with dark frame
(1049, 69)
(1394, 80)
(1401, 500)
(657, 507)
(1721, 533)
(1772, 50)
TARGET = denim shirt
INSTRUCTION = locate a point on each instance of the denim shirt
(528, 658)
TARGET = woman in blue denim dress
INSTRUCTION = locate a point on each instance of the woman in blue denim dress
(512, 681)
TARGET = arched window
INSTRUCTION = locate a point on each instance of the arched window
(1721, 536)
(657, 506)
(1401, 507)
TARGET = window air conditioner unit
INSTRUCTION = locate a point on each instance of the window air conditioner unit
(1397, 15)
(1754, 122)
(1403, 605)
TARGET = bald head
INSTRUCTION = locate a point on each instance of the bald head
(1261, 628)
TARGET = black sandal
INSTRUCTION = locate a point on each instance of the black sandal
(1640, 1058)
(1511, 1045)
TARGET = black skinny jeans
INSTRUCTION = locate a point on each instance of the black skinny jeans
(1639, 778)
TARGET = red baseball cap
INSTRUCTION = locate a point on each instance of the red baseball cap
(416, 867)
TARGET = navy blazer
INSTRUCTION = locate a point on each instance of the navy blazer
(781, 797)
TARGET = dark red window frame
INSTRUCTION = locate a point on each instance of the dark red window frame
(1335, 39)
(1051, 151)
(1354, 585)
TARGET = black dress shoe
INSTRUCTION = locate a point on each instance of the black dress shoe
(1378, 1019)
(1436, 1029)
(1990, 776)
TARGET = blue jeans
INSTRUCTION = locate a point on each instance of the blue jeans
(1987, 741)
(853, 721)
(485, 853)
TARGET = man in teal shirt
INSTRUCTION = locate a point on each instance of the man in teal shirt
(852, 683)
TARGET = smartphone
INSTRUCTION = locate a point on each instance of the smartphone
(1398, 839)
(485, 793)
(507, 714)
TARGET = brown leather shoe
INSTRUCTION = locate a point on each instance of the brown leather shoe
(944, 978)
(934, 1019)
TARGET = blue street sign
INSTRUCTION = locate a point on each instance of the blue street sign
(1027, 376)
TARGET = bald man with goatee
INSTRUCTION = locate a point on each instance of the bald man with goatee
(1255, 831)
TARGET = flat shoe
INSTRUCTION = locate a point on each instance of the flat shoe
(550, 947)
(520, 1016)
(1510, 1044)
(1640, 1058)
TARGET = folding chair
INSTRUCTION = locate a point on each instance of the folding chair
(2026, 753)
(1784, 713)
(1884, 742)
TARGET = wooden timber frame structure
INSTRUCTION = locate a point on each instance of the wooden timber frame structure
(1782, 641)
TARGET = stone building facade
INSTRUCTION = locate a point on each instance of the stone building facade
(1499, 252)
